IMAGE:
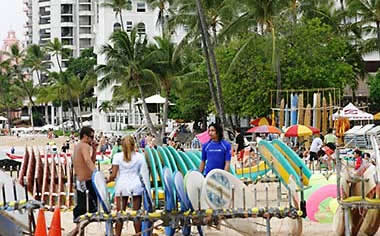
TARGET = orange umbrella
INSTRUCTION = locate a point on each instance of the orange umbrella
(298, 131)
(268, 129)
(261, 121)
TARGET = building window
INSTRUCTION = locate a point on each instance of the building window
(141, 7)
(129, 26)
(116, 26)
(65, 19)
(141, 28)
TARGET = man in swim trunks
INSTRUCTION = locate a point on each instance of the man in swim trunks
(217, 151)
(84, 165)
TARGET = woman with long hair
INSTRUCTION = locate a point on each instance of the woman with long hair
(126, 166)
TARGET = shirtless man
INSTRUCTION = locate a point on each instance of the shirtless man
(84, 166)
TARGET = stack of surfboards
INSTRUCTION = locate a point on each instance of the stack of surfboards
(49, 179)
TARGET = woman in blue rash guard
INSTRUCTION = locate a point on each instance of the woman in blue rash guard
(217, 151)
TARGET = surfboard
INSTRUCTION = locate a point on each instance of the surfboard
(24, 167)
(194, 158)
(252, 172)
(52, 185)
(147, 197)
(319, 112)
(286, 116)
(294, 160)
(331, 111)
(171, 159)
(38, 178)
(30, 173)
(325, 116)
(165, 159)
(280, 166)
(100, 186)
(69, 183)
(193, 186)
(300, 116)
(169, 197)
(157, 160)
(60, 187)
(183, 199)
(189, 163)
(153, 173)
(314, 110)
(281, 115)
(178, 160)
(198, 154)
(45, 180)
(293, 113)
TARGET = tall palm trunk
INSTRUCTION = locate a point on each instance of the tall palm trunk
(378, 36)
(210, 49)
(61, 114)
(30, 107)
(165, 115)
(59, 64)
(146, 111)
(210, 76)
(121, 20)
(80, 117)
(9, 120)
(73, 114)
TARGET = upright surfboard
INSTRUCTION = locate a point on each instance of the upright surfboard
(280, 166)
(189, 163)
(100, 187)
(171, 159)
(181, 164)
(164, 157)
(154, 175)
(183, 199)
(147, 197)
(293, 113)
(286, 116)
(314, 110)
(294, 160)
(169, 197)
(193, 185)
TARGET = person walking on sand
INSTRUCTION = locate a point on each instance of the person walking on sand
(126, 167)
(84, 166)
(217, 151)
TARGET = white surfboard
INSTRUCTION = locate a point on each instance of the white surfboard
(193, 186)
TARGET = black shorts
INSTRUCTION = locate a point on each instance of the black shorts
(331, 146)
(314, 156)
(80, 208)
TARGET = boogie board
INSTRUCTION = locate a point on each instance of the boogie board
(294, 160)
(280, 166)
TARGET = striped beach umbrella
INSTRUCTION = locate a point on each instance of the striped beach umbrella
(298, 131)
(267, 129)
(261, 121)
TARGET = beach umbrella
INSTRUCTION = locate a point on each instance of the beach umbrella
(298, 131)
(261, 121)
(203, 137)
(268, 129)
(313, 129)
(321, 204)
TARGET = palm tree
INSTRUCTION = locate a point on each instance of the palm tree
(107, 107)
(118, 6)
(56, 49)
(128, 59)
(10, 93)
(20, 74)
(163, 11)
(35, 60)
(368, 13)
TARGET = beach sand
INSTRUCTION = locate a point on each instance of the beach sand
(278, 227)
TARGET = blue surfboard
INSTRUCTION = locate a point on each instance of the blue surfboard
(183, 199)
(293, 113)
(169, 197)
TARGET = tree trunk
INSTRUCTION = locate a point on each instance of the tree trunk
(146, 111)
(210, 48)
(165, 117)
(59, 64)
(61, 115)
(46, 113)
(121, 21)
(31, 115)
(80, 117)
(72, 113)
(378, 36)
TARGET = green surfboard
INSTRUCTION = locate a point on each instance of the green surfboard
(194, 158)
(171, 158)
(181, 164)
(153, 172)
(158, 164)
(165, 158)
(189, 163)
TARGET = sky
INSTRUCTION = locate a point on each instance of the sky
(12, 16)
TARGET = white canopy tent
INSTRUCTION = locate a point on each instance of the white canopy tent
(352, 113)
(155, 99)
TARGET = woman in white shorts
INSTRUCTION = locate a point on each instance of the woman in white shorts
(126, 166)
